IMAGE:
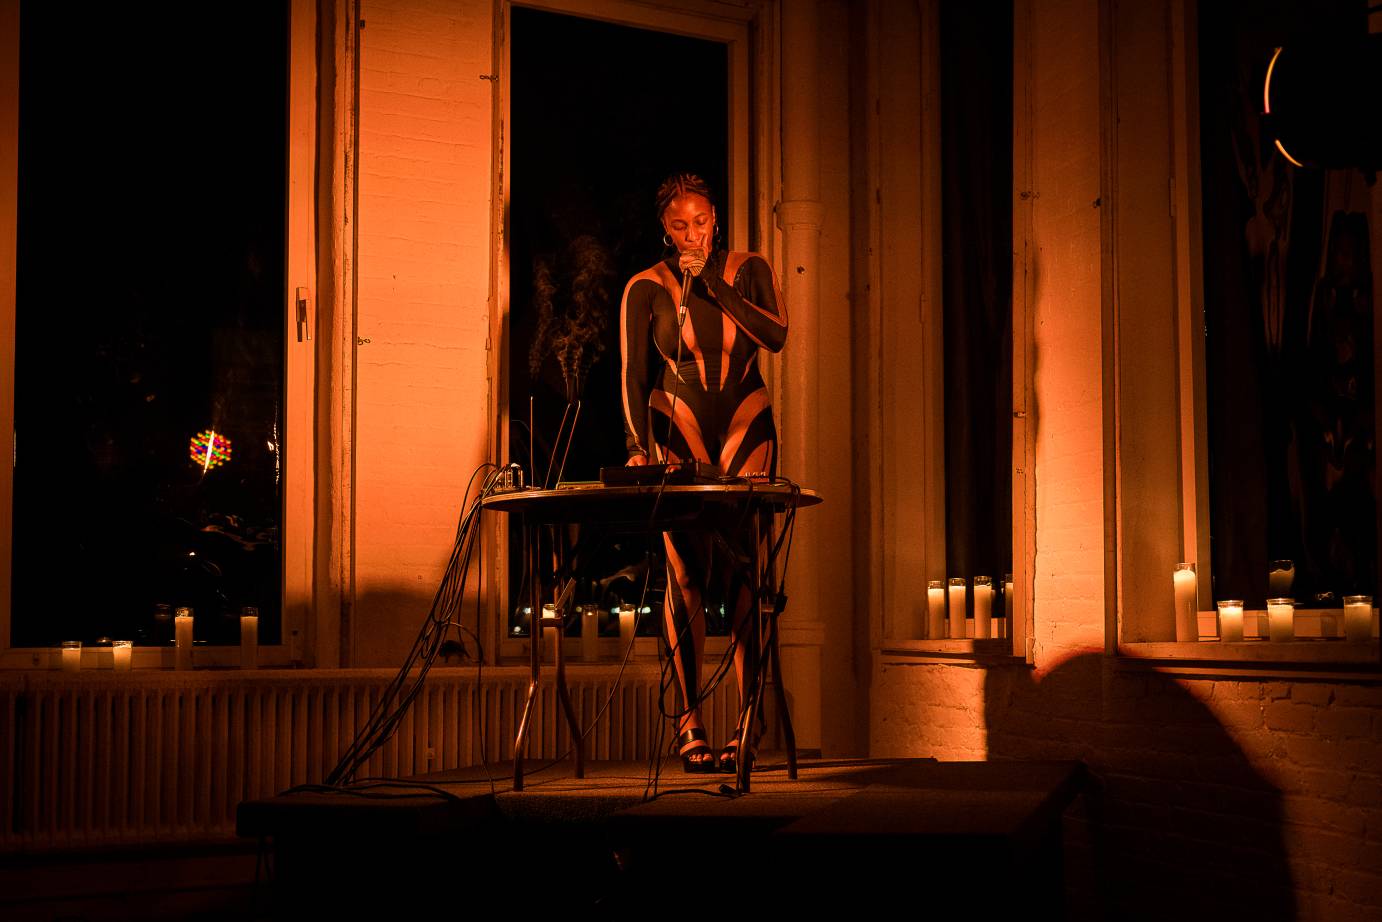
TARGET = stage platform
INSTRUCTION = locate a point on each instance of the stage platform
(955, 834)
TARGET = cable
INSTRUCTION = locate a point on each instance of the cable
(397, 697)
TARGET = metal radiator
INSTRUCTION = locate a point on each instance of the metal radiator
(94, 758)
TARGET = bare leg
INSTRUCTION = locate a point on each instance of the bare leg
(684, 615)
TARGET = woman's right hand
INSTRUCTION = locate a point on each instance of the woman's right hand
(636, 460)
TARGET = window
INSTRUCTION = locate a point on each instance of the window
(161, 380)
(943, 306)
(609, 202)
(1228, 402)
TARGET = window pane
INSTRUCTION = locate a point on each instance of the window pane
(149, 369)
(589, 151)
(1289, 342)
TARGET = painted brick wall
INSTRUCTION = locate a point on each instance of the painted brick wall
(425, 164)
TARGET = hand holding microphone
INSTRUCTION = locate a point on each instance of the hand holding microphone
(692, 261)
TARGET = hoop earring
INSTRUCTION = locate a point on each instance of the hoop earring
(667, 241)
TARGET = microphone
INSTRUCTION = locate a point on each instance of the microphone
(686, 277)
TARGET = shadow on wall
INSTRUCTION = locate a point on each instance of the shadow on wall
(1178, 825)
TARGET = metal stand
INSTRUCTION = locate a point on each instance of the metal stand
(538, 623)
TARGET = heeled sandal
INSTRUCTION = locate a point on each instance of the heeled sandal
(693, 742)
(729, 756)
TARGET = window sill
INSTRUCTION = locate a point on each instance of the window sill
(1319, 659)
(968, 652)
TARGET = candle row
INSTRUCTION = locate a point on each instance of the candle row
(590, 630)
(122, 650)
(948, 620)
(1281, 619)
(1281, 611)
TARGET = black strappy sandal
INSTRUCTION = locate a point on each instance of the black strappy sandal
(693, 766)
(729, 756)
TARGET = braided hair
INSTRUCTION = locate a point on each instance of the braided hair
(679, 184)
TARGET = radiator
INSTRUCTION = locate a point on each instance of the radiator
(93, 759)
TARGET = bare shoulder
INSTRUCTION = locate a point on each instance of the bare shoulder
(657, 274)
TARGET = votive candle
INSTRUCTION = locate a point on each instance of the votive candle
(590, 633)
(983, 607)
(957, 607)
(1231, 621)
(249, 638)
(551, 636)
(182, 625)
(1281, 620)
(122, 652)
(935, 609)
(71, 656)
(627, 625)
(1357, 618)
(1187, 602)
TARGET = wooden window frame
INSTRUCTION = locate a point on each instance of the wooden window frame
(907, 502)
(1153, 139)
(300, 355)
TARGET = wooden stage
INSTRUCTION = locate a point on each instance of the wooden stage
(981, 835)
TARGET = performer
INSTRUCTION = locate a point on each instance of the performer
(692, 391)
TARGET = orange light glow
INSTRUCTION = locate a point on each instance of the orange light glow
(1293, 160)
(1267, 86)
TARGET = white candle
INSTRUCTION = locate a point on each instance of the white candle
(122, 652)
(1187, 603)
(249, 640)
(549, 631)
(1280, 578)
(1281, 620)
(957, 608)
(1231, 621)
(935, 609)
(182, 626)
(983, 607)
(71, 655)
(626, 627)
(1357, 618)
(590, 633)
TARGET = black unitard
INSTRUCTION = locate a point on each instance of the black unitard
(721, 412)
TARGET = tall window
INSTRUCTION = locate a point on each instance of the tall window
(151, 433)
(1289, 318)
(588, 152)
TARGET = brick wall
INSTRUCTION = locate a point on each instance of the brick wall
(423, 272)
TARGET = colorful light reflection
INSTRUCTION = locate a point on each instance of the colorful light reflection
(209, 449)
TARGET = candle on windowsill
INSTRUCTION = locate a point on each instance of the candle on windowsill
(1357, 618)
(71, 656)
(1187, 587)
(935, 609)
(1231, 621)
(122, 653)
(1281, 620)
(249, 637)
(983, 607)
(627, 624)
(182, 624)
(590, 633)
(549, 632)
(957, 608)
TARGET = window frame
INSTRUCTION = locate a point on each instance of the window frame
(909, 479)
(1143, 556)
(300, 360)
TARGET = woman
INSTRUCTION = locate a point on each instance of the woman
(692, 392)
